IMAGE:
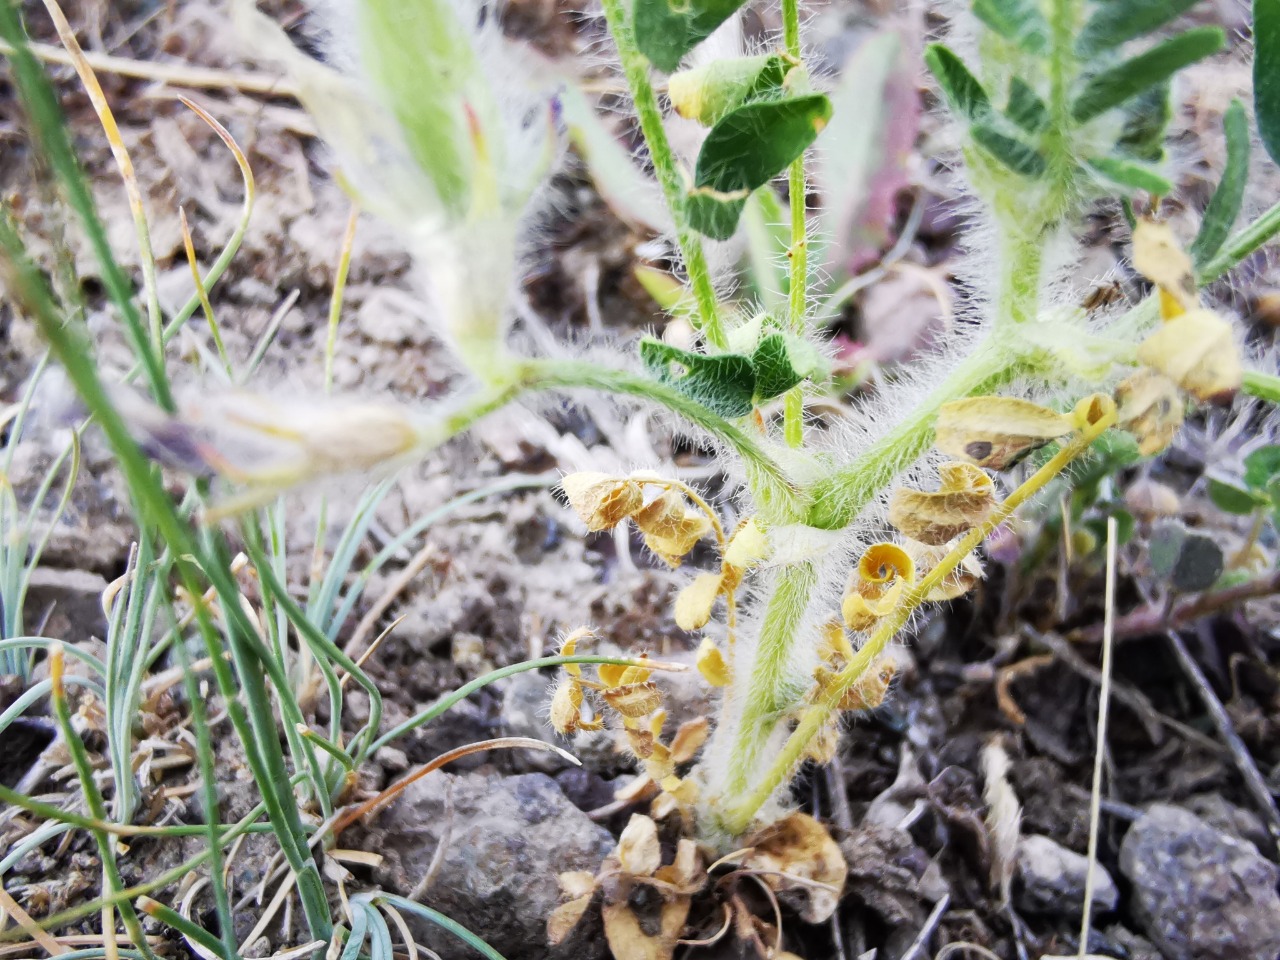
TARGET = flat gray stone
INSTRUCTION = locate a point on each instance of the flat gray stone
(1050, 879)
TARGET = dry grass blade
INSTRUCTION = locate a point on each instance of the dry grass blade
(178, 74)
(124, 162)
(498, 743)
(188, 245)
(1104, 704)
(9, 907)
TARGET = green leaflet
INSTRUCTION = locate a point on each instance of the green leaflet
(1233, 499)
(1119, 22)
(1114, 86)
(1190, 561)
(1147, 118)
(1266, 73)
(709, 92)
(1130, 175)
(1025, 108)
(1017, 20)
(1014, 154)
(746, 149)
(961, 88)
(668, 29)
(1224, 205)
(733, 384)
(1262, 467)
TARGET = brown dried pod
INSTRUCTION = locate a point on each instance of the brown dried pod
(965, 498)
(997, 432)
(602, 501)
(633, 699)
(1151, 408)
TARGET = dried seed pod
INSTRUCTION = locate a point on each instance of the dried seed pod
(600, 500)
(965, 498)
(1198, 352)
(662, 516)
(1159, 257)
(693, 603)
(997, 432)
(872, 687)
(689, 739)
(565, 917)
(822, 746)
(566, 707)
(641, 742)
(633, 699)
(711, 665)
(955, 584)
(672, 548)
(621, 674)
(1151, 408)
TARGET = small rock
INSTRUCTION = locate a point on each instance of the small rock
(1198, 893)
(506, 841)
(391, 316)
(1050, 879)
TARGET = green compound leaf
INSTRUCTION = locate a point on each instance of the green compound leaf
(1114, 86)
(781, 361)
(1119, 22)
(1017, 20)
(668, 29)
(1129, 175)
(724, 383)
(1025, 108)
(961, 88)
(1232, 499)
(746, 149)
(1014, 154)
(1266, 73)
(1224, 206)
(1261, 467)
(1146, 120)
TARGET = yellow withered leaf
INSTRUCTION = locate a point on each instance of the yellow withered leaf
(639, 851)
(1151, 408)
(996, 432)
(633, 699)
(711, 664)
(576, 883)
(797, 856)
(569, 646)
(694, 603)
(1158, 256)
(965, 498)
(749, 546)
(600, 500)
(1198, 352)
(689, 738)
(565, 917)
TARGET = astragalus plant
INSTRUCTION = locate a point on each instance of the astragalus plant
(843, 528)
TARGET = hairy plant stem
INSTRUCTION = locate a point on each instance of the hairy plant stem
(739, 816)
(1245, 242)
(837, 499)
(635, 67)
(798, 252)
